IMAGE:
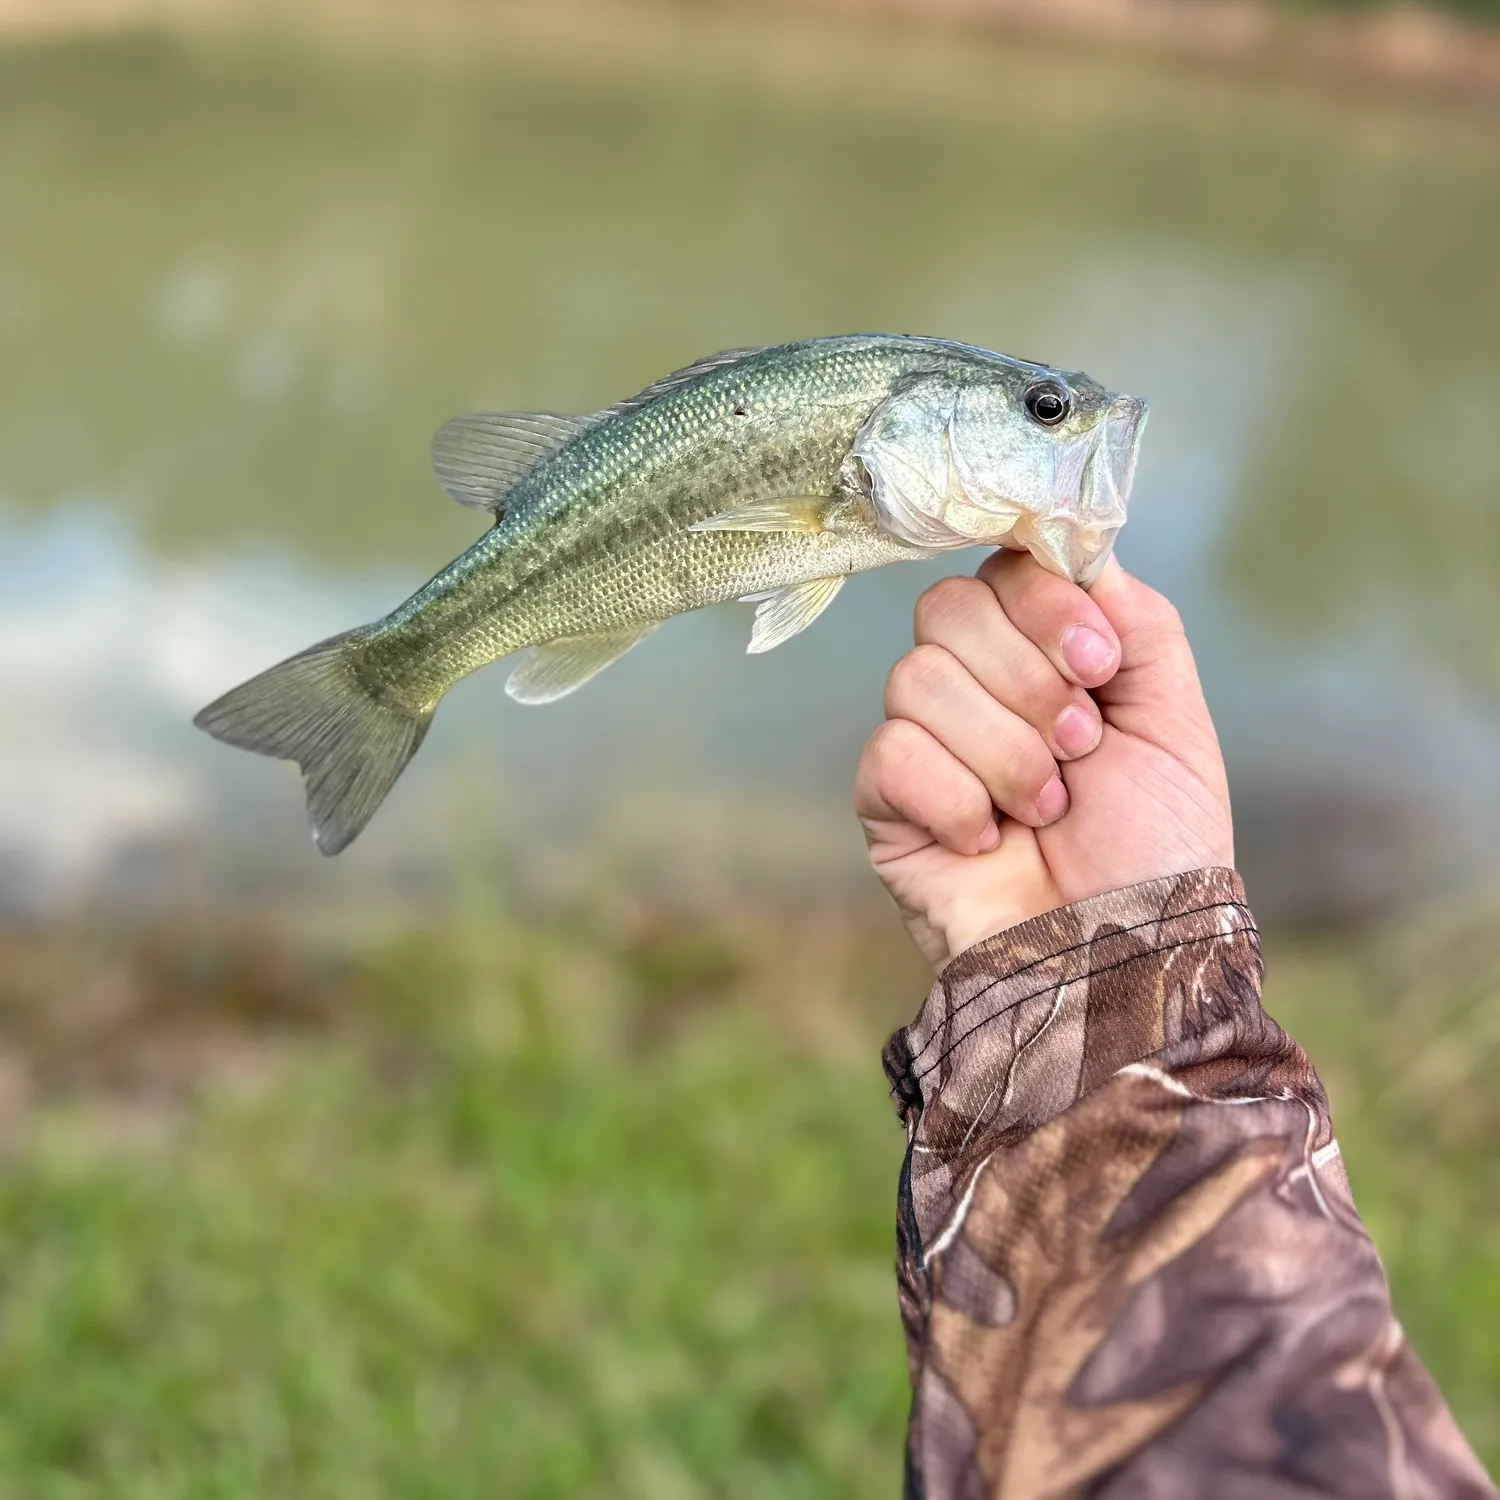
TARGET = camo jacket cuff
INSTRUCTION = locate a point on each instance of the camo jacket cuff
(1128, 1259)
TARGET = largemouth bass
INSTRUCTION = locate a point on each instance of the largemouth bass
(766, 474)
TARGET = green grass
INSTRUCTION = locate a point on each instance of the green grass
(530, 1229)
(550, 1209)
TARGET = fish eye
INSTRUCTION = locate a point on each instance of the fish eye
(1047, 402)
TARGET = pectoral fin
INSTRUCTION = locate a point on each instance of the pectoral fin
(551, 671)
(779, 616)
(789, 513)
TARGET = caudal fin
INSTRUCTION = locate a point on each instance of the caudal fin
(314, 709)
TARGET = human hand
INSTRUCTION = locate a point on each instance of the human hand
(1078, 716)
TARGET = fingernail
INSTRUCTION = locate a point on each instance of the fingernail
(1086, 651)
(990, 838)
(1053, 802)
(1077, 731)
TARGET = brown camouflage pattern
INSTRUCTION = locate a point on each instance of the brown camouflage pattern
(1129, 1262)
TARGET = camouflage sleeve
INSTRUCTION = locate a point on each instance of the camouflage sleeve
(1129, 1262)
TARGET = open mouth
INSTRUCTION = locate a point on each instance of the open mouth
(1077, 542)
(1113, 465)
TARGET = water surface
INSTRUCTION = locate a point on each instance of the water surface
(243, 279)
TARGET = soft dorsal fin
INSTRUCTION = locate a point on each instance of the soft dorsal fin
(685, 376)
(479, 458)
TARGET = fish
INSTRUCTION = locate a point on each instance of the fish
(766, 474)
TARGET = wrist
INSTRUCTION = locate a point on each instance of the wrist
(979, 911)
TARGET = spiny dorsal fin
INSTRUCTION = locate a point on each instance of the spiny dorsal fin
(780, 615)
(552, 670)
(479, 458)
(685, 376)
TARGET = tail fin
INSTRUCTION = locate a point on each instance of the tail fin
(314, 709)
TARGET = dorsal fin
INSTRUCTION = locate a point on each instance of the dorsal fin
(678, 378)
(479, 458)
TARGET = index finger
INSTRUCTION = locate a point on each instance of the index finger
(1056, 616)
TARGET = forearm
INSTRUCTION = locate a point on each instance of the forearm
(1129, 1260)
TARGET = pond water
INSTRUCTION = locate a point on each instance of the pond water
(243, 278)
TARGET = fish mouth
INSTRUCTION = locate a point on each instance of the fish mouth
(940, 476)
(1076, 540)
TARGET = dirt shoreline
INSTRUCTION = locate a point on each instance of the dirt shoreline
(1403, 47)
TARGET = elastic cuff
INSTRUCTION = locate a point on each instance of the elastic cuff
(1041, 1013)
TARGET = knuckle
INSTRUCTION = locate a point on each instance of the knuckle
(1168, 620)
(921, 670)
(947, 601)
(1159, 613)
(1163, 641)
(1001, 561)
(894, 746)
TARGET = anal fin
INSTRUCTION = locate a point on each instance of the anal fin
(545, 673)
(780, 615)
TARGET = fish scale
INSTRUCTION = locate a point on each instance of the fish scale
(740, 475)
(581, 546)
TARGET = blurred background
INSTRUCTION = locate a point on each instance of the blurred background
(538, 1146)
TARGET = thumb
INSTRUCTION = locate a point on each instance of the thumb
(1156, 693)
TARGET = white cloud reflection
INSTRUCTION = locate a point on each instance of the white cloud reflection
(105, 653)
